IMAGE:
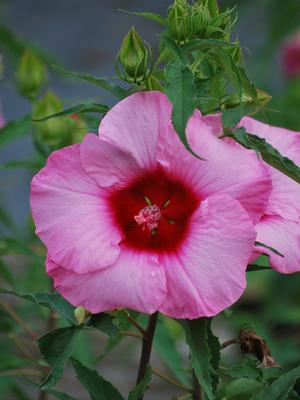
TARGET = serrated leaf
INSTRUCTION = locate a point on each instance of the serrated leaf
(114, 89)
(15, 129)
(95, 384)
(197, 340)
(268, 153)
(242, 389)
(142, 386)
(232, 116)
(80, 108)
(104, 323)
(57, 347)
(246, 369)
(54, 301)
(149, 15)
(180, 90)
(60, 395)
(281, 387)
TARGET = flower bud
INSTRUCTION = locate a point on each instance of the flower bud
(81, 315)
(199, 20)
(31, 75)
(212, 6)
(53, 131)
(179, 21)
(134, 56)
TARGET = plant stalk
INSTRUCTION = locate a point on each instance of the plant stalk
(146, 348)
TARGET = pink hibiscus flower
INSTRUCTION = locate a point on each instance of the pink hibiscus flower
(279, 227)
(291, 55)
(131, 219)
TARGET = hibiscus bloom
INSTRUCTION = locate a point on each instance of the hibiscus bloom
(279, 227)
(131, 219)
(291, 55)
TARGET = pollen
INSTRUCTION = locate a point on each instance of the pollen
(149, 217)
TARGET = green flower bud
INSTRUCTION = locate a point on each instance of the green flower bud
(31, 75)
(81, 315)
(54, 131)
(212, 6)
(134, 56)
(179, 21)
(199, 20)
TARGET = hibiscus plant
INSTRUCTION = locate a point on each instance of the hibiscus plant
(148, 227)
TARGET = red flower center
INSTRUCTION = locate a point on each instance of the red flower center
(153, 211)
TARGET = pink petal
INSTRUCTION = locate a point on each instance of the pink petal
(208, 273)
(284, 236)
(134, 281)
(226, 169)
(135, 123)
(71, 216)
(106, 163)
(285, 196)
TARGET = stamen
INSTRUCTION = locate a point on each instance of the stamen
(149, 217)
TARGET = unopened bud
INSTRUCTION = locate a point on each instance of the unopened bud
(81, 315)
(212, 6)
(53, 131)
(179, 21)
(135, 57)
(199, 20)
(31, 75)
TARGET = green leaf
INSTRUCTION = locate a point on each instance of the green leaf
(57, 347)
(242, 389)
(215, 348)
(54, 301)
(149, 15)
(114, 89)
(246, 369)
(232, 116)
(165, 346)
(142, 386)
(268, 153)
(96, 385)
(197, 339)
(104, 323)
(281, 387)
(180, 90)
(259, 244)
(15, 129)
(60, 395)
(80, 108)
